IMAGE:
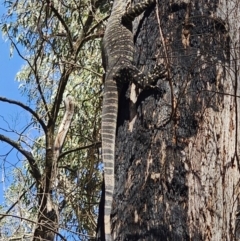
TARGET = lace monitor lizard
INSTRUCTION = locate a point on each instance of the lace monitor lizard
(118, 51)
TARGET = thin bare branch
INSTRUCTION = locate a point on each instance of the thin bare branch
(13, 205)
(80, 66)
(97, 145)
(28, 155)
(27, 108)
(97, 24)
(33, 69)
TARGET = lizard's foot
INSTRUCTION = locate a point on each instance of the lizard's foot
(159, 72)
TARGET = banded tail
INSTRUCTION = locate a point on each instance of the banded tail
(109, 125)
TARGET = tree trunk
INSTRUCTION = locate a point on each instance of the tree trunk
(47, 223)
(177, 157)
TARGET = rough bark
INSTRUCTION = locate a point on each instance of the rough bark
(177, 158)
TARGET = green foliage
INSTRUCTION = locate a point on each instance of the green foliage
(61, 49)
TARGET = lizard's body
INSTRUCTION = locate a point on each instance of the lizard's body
(118, 51)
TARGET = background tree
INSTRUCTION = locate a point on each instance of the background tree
(177, 160)
(54, 194)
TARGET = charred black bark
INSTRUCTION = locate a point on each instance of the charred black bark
(152, 192)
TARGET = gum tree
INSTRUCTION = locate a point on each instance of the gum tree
(56, 188)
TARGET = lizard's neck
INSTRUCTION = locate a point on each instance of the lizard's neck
(119, 7)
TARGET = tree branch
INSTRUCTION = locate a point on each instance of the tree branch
(13, 205)
(91, 30)
(51, 172)
(32, 112)
(31, 221)
(34, 168)
(59, 95)
(86, 27)
(33, 69)
(97, 145)
(64, 126)
(37, 54)
(57, 14)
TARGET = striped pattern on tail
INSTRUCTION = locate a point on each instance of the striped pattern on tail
(109, 125)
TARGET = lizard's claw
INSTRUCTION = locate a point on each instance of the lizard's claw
(159, 72)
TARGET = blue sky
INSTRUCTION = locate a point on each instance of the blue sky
(8, 69)
(9, 89)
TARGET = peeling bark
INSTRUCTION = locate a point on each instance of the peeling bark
(48, 216)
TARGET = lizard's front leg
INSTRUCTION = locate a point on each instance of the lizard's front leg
(132, 74)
